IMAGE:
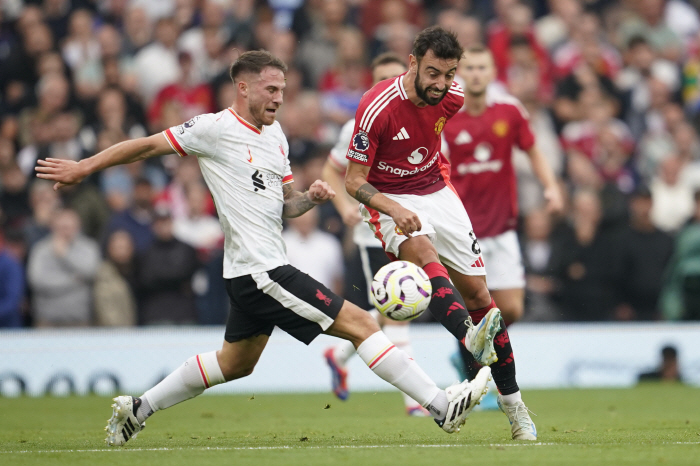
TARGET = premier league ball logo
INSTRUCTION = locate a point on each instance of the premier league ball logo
(360, 142)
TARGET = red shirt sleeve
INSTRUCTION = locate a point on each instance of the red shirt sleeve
(524, 137)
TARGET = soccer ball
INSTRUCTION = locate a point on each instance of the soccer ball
(401, 290)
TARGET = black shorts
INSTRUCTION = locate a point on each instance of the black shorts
(282, 297)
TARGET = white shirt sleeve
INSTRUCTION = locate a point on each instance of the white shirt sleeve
(198, 136)
(337, 154)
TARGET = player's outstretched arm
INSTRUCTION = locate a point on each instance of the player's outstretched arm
(297, 203)
(67, 172)
(357, 186)
(344, 204)
(541, 168)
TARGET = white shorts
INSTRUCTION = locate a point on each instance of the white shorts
(444, 221)
(504, 262)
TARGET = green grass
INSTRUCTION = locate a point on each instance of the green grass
(652, 424)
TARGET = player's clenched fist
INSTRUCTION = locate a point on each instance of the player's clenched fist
(320, 192)
(406, 221)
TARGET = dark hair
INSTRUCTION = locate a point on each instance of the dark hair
(519, 41)
(636, 41)
(254, 62)
(444, 44)
(385, 59)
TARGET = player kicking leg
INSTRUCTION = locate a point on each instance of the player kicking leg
(290, 299)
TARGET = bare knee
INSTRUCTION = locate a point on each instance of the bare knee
(353, 324)
(232, 369)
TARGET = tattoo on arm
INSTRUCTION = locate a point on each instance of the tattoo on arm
(295, 203)
(365, 193)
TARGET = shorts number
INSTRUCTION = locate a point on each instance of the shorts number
(476, 249)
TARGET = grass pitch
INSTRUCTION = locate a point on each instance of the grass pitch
(651, 424)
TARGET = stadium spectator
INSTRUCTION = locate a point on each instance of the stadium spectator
(159, 55)
(115, 303)
(14, 196)
(540, 283)
(198, 228)
(672, 195)
(44, 202)
(667, 371)
(640, 256)
(184, 99)
(60, 273)
(137, 218)
(648, 21)
(554, 28)
(314, 251)
(581, 261)
(12, 287)
(164, 277)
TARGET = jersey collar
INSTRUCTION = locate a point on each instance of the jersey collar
(245, 123)
(398, 84)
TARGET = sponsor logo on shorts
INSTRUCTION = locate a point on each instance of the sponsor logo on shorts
(402, 171)
(357, 156)
(360, 141)
(323, 297)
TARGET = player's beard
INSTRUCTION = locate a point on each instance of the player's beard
(423, 93)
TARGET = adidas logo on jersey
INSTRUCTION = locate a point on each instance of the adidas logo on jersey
(463, 137)
(402, 135)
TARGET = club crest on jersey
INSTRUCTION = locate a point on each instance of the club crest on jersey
(500, 128)
(418, 155)
(360, 141)
(439, 125)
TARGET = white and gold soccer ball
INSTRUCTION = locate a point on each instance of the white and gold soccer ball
(401, 290)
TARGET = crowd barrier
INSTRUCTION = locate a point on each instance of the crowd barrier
(102, 361)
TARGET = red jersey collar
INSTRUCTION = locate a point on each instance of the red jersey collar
(245, 123)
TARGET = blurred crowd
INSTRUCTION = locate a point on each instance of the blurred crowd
(612, 88)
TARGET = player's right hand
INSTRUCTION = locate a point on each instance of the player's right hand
(406, 221)
(64, 172)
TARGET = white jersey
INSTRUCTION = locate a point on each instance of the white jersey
(362, 235)
(245, 169)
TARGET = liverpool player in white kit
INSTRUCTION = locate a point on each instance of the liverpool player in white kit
(397, 172)
(242, 153)
(385, 66)
(479, 142)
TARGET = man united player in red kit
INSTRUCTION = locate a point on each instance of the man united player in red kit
(479, 142)
(401, 179)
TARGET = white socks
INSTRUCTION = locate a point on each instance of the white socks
(187, 381)
(394, 366)
(513, 398)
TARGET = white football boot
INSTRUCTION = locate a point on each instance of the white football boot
(123, 425)
(462, 398)
(480, 337)
(521, 425)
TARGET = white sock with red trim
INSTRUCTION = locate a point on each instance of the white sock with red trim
(399, 336)
(187, 381)
(394, 366)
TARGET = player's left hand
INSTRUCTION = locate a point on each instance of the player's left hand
(555, 202)
(320, 192)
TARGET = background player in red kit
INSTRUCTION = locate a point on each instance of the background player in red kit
(479, 141)
(401, 179)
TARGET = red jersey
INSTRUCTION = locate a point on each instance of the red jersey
(401, 141)
(480, 149)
